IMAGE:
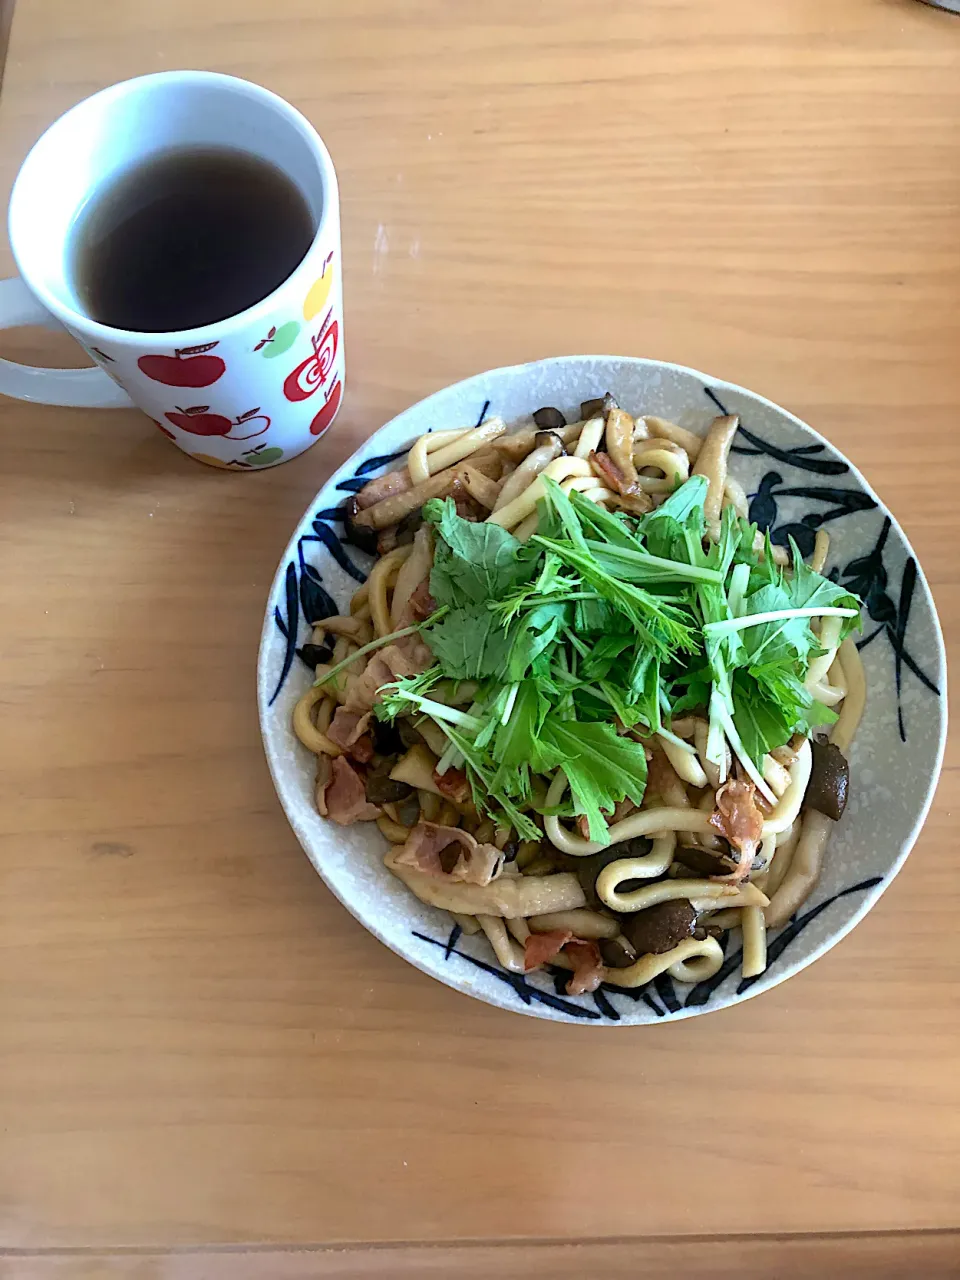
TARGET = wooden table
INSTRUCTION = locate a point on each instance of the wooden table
(205, 1064)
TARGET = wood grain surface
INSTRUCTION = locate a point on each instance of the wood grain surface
(934, 1255)
(198, 1045)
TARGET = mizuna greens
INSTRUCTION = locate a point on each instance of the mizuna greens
(597, 632)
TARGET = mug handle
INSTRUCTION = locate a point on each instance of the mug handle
(73, 388)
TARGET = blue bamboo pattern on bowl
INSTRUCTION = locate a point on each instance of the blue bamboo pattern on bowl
(602, 999)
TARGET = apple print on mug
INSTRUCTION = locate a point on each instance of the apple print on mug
(261, 456)
(311, 374)
(277, 341)
(328, 410)
(319, 291)
(242, 393)
(188, 367)
(199, 421)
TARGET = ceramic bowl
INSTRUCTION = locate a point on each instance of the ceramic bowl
(797, 483)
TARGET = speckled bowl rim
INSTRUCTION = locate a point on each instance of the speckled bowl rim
(451, 978)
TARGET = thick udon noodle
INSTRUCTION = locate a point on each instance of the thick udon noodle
(501, 474)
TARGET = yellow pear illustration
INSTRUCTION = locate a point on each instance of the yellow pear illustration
(211, 461)
(319, 291)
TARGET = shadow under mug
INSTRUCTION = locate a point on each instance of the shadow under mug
(250, 391)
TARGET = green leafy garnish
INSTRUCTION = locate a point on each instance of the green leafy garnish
(472, 563)
(601, 629)
(601, 767)
(470, 644)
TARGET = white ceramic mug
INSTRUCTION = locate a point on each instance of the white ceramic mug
(250, 391)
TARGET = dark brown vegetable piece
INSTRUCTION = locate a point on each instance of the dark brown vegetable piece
(387, 540)
(386, 738)
(408, 734)
(360, 535)
(617, 953)
(587, 869)
(707, 931)
(381, 788)
(637, 847)
(408, 810)
(408, 526)
(549, 417)
(591, 408)
(314, 654)
(660, 928)
(450, 856)
(544, 864)
(829, 780)
(399, 535)
(549, 437)
(704, 862)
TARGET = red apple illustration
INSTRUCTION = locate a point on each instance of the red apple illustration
(311, 374)
(199, 421)
(161, 427)
(188, 367)
(327, 413)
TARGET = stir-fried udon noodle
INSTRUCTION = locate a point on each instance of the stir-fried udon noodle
(596, 714)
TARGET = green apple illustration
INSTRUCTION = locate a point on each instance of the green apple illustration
(277, 341)
(264, 457)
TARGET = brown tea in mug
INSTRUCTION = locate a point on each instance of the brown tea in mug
(190, 237)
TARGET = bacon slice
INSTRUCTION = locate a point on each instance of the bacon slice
(662, 778)
(324, 778)
(451, 853)
(422, 603)
(622, 809)
(362, 689)
(414, 653)
(453, 784)
(344, 796)
(347, 731)
(390, 663)
(583, 823)
(588, 969)
(739, 820)
(467, 507)
(541, 947)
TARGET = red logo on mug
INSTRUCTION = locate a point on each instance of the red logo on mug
(311, 374)
(330, 406)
